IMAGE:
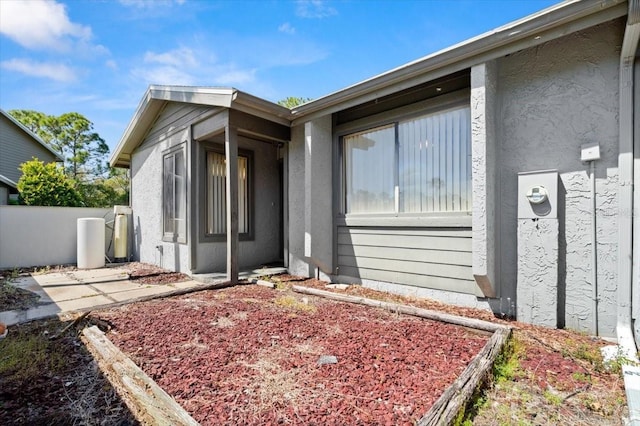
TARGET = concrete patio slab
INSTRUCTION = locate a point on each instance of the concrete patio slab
(87, 302)
(73, 291)
(64, 292)
(141, 292)
(100, 275)
(110, 287)
(55, 278)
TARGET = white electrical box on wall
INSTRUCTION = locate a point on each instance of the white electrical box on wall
(538, 194)
(590, 152)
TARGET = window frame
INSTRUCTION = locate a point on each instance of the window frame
(174, 235)
(444, 103)
(205, 237)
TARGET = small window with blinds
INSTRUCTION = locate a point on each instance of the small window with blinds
(174, 197)
(415, 166)
(216, 195)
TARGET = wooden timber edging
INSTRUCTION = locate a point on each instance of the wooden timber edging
(455, 398)
(148, 402)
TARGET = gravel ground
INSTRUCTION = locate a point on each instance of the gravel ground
(250, 355)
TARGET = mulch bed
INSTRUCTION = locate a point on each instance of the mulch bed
(144, 273)
(249, 355)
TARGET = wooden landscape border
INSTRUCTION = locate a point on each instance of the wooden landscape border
(152, 405)
(455, 398)
(149, 403)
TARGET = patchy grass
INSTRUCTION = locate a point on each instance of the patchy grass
(293, 303)
(47, 381)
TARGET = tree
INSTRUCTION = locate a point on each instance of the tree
(292, 102)
(70, 134)
(84, 151)
(46, 185)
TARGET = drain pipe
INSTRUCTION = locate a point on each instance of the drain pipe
(625, 191)
(594, 251)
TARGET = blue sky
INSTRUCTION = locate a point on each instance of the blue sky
(98, 57)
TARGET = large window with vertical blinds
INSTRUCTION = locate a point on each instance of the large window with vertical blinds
(414, 166)
(216, 195)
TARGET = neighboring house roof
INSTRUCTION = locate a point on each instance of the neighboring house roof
(31, 134)
(541, 27)
(8, 181)
(157, 96)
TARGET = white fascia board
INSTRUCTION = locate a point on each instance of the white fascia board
(532, 30)
(212, 96)
(261, 108)
(128, 137)
(8, 181)
(31, 134)
(156, 96)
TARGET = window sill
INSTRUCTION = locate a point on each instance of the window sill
(171, 239)
(450, 221)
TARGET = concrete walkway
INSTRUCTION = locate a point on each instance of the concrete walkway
(64, 292)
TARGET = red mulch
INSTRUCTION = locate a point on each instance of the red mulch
(249, 355)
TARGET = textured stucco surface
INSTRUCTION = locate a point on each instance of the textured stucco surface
(554, 98)
(146, 203)
(296, 209)
(318, 210)
(484, 81)
(211, 256)
(538, 271)
(39, 236)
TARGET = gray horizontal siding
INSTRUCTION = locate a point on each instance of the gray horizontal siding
(16, 147)
(438, 258)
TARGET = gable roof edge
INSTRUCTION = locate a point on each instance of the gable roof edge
(157, 96)
(31, 134)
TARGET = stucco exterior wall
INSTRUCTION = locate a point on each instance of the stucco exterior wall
(41, 236)
(554, 98)
(263, 248)
(146, 203)
(297, 264)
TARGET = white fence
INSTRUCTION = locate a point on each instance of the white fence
(41, 236)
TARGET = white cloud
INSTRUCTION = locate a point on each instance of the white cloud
(150, 4)
(164, 74)
(111, 64)
(40, 24)
(53, 71)
(287, 28)
(185, 66)
(230, 76)
(182, 57)
(314, 9)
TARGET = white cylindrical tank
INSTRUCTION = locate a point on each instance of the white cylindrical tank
(90, 243)
(120, 238)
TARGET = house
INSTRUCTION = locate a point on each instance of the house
(17, 145)
(497, 173)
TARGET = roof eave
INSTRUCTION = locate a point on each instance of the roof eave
(8, 182)
(156, 96)
(59, 158)
(508, 35)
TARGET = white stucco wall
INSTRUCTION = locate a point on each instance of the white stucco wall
(40, 236)
(553, 99)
